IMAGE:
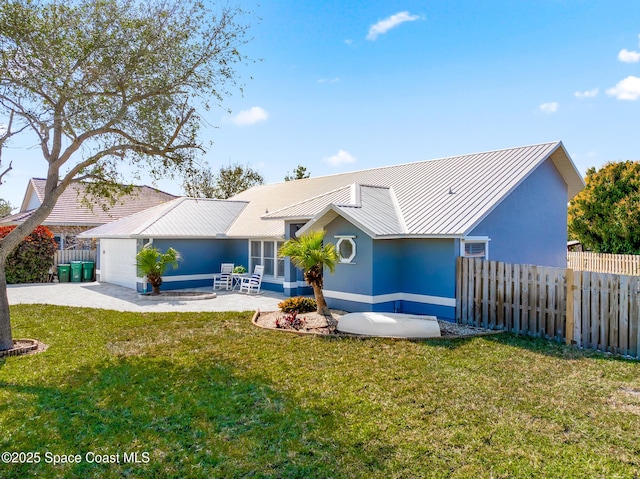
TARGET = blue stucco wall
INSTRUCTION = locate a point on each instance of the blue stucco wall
(530, 225)
(355, 277)
(201, 257)
(294, 283)
(402, 275)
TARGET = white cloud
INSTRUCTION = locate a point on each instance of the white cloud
(551, 107)
(383, 26)
(628, 56)
(587, 93)
(627, 89)
(329, 80)
(253, 115)
(340, 158)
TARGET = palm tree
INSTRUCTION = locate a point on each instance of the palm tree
(152, 263)
(309, 254)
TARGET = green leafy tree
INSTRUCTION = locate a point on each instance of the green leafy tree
(5, 208)
(153, 264)
(101, 83)
(605, 215)
(300, 173)
(309, 254)
(229, 181)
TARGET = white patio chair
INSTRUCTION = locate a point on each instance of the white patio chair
(252, 283)
(223, 278)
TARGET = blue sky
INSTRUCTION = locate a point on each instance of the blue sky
(347, 85)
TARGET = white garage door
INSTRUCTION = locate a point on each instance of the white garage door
(118, 262)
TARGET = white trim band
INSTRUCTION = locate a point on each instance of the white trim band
(295, 284)
(386, 298)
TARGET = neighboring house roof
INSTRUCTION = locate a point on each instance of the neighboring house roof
(70, 211)
(445, 197)
(448, 196)
(182, 217)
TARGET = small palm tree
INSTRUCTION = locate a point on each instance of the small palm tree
(152, 263)
(309, 254)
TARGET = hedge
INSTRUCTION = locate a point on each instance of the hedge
(33, 257)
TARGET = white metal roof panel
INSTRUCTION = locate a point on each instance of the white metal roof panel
(376, 212)
(181, 218)
(448, 196)
(312, 206)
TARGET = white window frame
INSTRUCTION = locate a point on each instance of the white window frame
(475, 240)
(349, 239)
(276, 260)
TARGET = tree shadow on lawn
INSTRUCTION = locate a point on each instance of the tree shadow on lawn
(193, 421)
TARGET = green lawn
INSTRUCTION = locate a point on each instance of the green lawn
(209, 395)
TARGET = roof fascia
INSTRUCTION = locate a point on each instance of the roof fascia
(31, 190)
(339, 212)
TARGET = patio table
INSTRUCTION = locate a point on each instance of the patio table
(236, 279)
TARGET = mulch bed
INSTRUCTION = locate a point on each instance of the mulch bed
(315, 323)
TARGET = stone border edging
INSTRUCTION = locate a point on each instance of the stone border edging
(20, 350)
(177, 297)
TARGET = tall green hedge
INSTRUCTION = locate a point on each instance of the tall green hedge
(31, 260)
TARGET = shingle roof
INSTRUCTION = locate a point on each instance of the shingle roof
(448, 196)
(182, 217)
(70, 211)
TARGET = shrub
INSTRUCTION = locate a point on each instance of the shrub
(290, 321)
(33, 257)
(299, 304)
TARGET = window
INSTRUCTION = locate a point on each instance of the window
(475, 248)
(280, 261)
(269, 257)
(256, 255)
(346, 248)
(266, 253)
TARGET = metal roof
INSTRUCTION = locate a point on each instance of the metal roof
(310, 207)
(373, 209)
(180, 218)
(448, 196)
(444, 197)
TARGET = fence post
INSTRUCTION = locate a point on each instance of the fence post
(571, 298)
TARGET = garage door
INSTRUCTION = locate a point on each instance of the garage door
(117, 262)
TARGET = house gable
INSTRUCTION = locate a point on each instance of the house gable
(530, 225)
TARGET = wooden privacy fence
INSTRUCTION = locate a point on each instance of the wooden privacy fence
(592, 310)
(628, 264)
(66, 256)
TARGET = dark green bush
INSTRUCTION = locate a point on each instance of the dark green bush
(33, 257)
(299, 304)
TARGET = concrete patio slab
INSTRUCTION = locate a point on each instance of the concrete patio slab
(109, 296)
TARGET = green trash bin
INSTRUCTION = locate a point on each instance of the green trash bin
(63, 273)
(76, 271)
(87, 271)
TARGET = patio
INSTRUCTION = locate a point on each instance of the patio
(109, 296)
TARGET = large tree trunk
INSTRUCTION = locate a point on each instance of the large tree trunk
(6, 339)
(7, 244)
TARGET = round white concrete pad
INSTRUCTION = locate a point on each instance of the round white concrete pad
(392, 325)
